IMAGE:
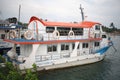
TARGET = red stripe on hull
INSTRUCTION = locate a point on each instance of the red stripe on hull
(53, 41)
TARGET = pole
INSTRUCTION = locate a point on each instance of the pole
(19, 21)
(82, 13)
(19, 13)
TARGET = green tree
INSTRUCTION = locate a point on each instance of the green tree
(30, 75)
(9, 72)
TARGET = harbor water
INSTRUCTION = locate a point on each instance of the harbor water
(107, 69)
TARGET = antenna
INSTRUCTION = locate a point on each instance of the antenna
(0, 14)
(82, 13)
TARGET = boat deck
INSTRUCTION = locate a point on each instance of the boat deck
(24, 41)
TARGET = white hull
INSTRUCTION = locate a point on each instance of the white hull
(68, 62)
(77, 62)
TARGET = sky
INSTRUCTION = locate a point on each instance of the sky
(103, 11)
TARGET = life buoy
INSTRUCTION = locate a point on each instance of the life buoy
(56, 34)
(28, 34)
(12, 34)
(71, 34)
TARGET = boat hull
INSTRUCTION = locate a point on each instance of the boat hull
(73, 62)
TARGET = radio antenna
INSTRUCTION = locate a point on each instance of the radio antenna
(82, 13)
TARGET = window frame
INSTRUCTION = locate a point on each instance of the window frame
(51, 48)
(85, 45)
(65, 47)
(97, 27)
(96, 44)
(78, 31)
(50, 29)
(105, 36)
(63, 31)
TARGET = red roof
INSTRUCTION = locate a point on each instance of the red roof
(85, 24)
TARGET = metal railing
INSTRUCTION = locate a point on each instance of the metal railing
(40, 58)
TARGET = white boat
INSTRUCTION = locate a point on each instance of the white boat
(6, 29)
(53, 45)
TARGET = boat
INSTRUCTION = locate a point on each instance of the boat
(6, 29)
(54, 45)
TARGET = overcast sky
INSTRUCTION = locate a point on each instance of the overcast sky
(103, 11)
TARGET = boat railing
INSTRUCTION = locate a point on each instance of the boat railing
(43, 36)
(83, 52)
(40, 58)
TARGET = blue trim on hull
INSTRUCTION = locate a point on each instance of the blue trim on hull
(102, 50)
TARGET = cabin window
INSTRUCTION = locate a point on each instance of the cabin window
(51, 48)
(97, 44)
(2, 36)
(97, 27)
(78, 47)
(85, 45)
(2, 24)
(50, 29)
(104, 36)
(73, 46)
(63, 31)
(64, 47)
(78, 31)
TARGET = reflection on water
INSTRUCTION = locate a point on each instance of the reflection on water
(108, 69)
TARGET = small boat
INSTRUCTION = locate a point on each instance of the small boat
(53, 45)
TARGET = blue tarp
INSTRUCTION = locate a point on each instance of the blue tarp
(10, 27)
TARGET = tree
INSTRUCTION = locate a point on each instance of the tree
(9, 72)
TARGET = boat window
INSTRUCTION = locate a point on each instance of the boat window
(50, 29)
(1, 24)
(97, 44)
(78, 31)
(97, 27)
(85, 45)
(67, 47)
(2, 36)
(104, 36)
(63, 31)
(64, 47)
(73, 45)
(78, 47)
(51, 48)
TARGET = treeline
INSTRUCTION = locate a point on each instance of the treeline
(111, 29)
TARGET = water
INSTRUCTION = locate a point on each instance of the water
(108, 69)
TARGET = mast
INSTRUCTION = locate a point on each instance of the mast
(19, 20)
(82, 13)
(19, 13)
